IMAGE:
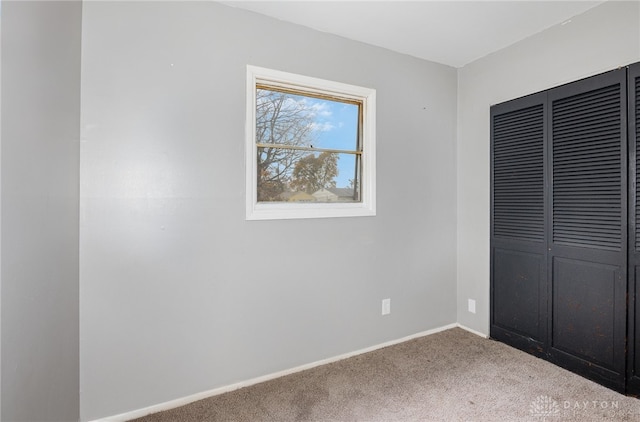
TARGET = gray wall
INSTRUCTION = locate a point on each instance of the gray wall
(40, 177)
(179, 294)
(601, 39)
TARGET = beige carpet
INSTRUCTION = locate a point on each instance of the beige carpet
(449, 376)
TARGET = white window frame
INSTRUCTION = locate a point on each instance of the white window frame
(304, 84)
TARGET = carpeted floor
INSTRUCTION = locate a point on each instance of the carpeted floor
(449, 376)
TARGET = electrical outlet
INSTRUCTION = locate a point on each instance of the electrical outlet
(386, 306)
(472, 306)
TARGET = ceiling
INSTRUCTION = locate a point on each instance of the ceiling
(452, 32)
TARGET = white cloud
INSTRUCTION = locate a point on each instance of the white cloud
(322, 109)
(322, 126)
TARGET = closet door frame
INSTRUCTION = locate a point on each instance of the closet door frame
(604, 266)
(633, 310)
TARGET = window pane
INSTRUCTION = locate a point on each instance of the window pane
(305, 121)
(287, 175)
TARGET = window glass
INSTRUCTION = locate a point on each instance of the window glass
(308, 148)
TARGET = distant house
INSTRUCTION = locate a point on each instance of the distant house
(334, 195)
(301, 197)
(290, 196)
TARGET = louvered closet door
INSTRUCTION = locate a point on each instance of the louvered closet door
(633, 343)
(588, 227)
(518, 248)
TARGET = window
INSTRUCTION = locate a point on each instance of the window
(310, 147)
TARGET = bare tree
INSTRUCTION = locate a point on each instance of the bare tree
(281, 120)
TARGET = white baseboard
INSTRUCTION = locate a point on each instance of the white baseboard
(472, 331)
(172, 404)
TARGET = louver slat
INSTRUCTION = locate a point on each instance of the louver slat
(518, 174)
(587, 166)
(636, 111)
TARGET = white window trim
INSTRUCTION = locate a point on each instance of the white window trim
(285, 210)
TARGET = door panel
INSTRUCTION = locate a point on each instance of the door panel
(588, 226)
(518, 234)
(633, 372)
(517, 278)
(584, 309)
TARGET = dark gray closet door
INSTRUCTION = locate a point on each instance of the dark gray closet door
(633, 342)
(587, 227)
(518, 235)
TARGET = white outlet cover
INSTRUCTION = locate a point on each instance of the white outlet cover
(472, 306)
(386, 306)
